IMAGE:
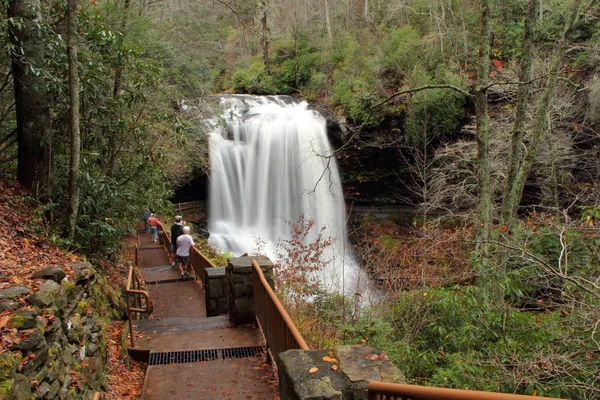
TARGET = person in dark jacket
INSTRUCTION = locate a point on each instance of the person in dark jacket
(176, 231)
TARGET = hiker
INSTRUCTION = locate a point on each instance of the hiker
(153, 224)
(176, 231)
(145, 216)
(184, 242)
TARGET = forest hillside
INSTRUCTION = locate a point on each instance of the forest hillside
(482, 112)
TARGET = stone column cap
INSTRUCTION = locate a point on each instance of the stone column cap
(244, 264)
(215, 272)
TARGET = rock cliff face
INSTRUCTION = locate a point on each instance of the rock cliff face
(373, 167)
(59, 352)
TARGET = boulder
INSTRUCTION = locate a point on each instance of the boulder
(49, 286)
(23, 320)
(35, 339)
(53, 272)
(9, 305)
(14, 292)
(41, 299)
(21, 388)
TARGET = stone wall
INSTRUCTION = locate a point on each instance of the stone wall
(61, 354)
(240, 287)
(215, 292)
(342, 373)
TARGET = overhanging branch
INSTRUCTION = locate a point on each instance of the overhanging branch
(420, 88)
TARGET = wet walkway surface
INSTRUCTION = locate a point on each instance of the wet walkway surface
(192, 356)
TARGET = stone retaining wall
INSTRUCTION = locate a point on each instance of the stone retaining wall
(215, 292)
(62, 354)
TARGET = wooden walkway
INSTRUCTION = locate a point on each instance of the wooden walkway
(192, 356)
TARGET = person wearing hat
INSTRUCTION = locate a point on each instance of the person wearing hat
(176, 231)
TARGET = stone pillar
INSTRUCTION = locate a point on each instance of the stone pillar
(215, 292)
(342, 373)
(240, 287)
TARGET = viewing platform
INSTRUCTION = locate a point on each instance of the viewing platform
(190, 355)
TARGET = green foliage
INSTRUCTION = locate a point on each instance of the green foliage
(294, 62)
(355, 80)
(107, 300)
(255, 80)
(216, 257)
(435, 113)
(401, 51)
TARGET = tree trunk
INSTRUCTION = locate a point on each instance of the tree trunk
(516, 154)
(265, 36)
(111, 156)
(34, 129)
(540, 122)
(73, 116)
(482, 130)
(328, 23)
(119, 69)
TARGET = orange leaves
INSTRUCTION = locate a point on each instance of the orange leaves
(374, 356)
(3, 321)
(329, 359)
(313, 370)
(124, 382)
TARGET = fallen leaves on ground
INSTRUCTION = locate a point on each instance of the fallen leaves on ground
(313, 370)
(123, 382)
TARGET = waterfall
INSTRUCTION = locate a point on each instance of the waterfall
(271, 162)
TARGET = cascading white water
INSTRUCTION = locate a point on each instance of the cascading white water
(271, 162)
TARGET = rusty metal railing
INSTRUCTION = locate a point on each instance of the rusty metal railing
(278, 328)
(395, 391)
(166, 236)
(138, 301)
(200, 264)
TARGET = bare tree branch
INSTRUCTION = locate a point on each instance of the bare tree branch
(426, 87)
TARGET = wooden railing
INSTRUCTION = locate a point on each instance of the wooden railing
(198, 261)
(138, 301)
(278, 328)
(394, 391)
(189, 205)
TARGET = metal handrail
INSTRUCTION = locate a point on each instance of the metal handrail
(200, 263)
(278, 328)
(133, 292)
(396, 391)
